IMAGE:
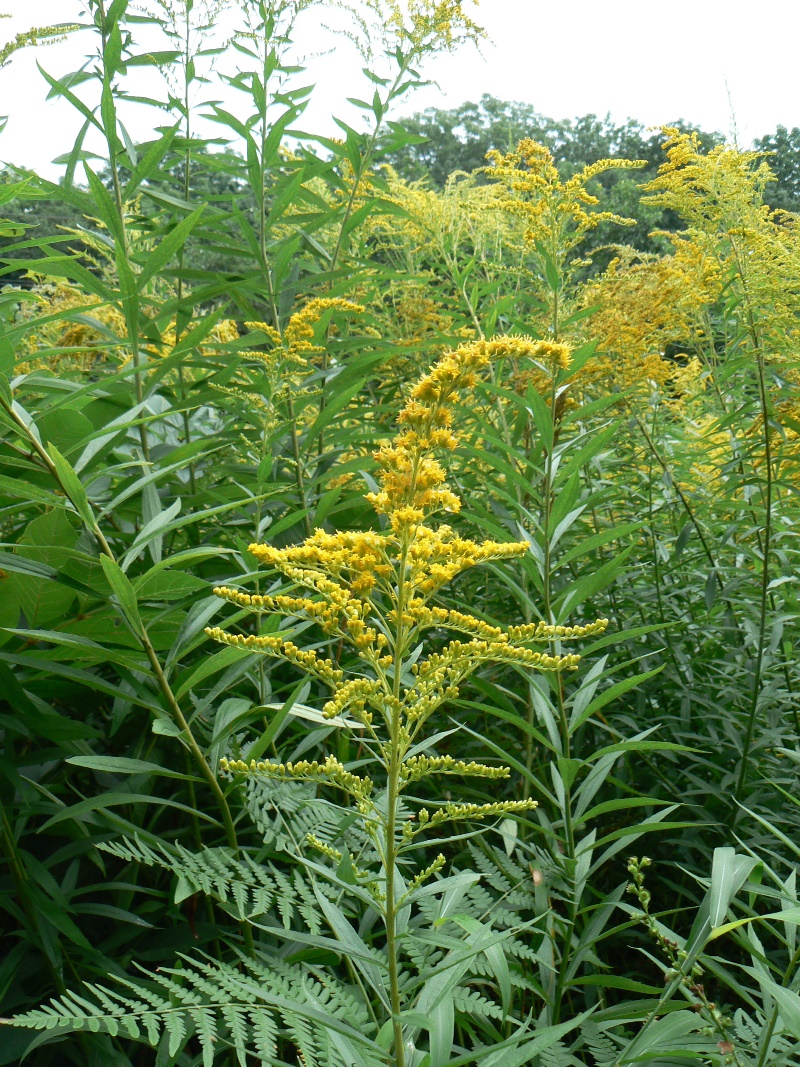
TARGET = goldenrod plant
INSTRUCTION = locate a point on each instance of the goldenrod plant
(720, 197)
(458, 257)
(557, 215)
(382, 819)
(37, 35)
(374, 592)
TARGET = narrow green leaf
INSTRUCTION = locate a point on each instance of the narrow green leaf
(124, 592)
(124, 765)
(92, 805)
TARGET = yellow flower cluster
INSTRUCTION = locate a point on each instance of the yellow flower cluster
(335, 855)
(542, 631)
(501, 650)
(439, 235)
(716, 190)
(335, 613)
(451, 812)
(555, 356)
(435, 557)
(371, 590)
(324, 561)
(368, 585)
(353, 696)
(437, 678)
(417, 767)
(548, 204)
(412, 480)
(643, 305)
(323, 669)
(331, 770)
(283, 356)
(719, 195)
(296, 344)
(420, 27)
(66, 343)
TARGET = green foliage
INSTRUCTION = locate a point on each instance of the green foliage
(203, 341)
(781, 150)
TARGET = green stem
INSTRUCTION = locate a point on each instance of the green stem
(764, 584)
(111, 142)
(767, 543)
(298, 463)
(393, 794)
(187, 165)
(688, 509)
(357, 180)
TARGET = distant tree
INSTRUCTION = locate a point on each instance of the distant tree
(459, 139)
(36, 217)
(783, 147)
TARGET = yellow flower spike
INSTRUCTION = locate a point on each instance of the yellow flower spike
(370, 590)
(452, 812)
(554, 215)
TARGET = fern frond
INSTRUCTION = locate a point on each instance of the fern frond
(238, 882)
(242, 1007)
(603, 1049)
(470, 1002)
(558, 1055)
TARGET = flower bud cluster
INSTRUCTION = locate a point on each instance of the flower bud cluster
(555, 356)
(434, 685)
(412, 480)
(451, 812)
(437, 556)
(539, 196)
(248, 395)
(460, 653)
(417, 767)
(326, 850)
(423, 876)
(297, 341)
(681, 967)
(541, 631)
(271, 645)
(322, 612)
(418, 614)
(353, 696)
(357, 559)
(331, 770)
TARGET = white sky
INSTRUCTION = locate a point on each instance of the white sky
(691, 59)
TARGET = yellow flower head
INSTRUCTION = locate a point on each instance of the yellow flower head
(553, 210)
(362, 586)
(422, 27)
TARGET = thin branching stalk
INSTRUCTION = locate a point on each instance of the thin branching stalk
(364, 162)
(764, 582)
(112, 143)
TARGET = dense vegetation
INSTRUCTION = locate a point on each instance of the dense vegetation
(398, 660)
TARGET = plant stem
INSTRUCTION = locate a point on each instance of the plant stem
(767, 542)
(393, 793)
(187, 168)
(357, 180)
(111, 142)
(764, 583)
